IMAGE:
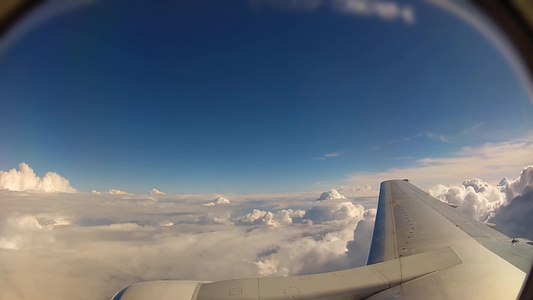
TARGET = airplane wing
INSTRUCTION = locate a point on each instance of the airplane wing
(410, 222)
(422, 248)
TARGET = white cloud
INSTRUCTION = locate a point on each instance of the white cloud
(427, 134)
(156, 192)
(515, 218)
(95, 192)
(117, 192)
(490, 161)
(329, 155)
(521, 185)
(330, 195)
(26, 180)
(305, 255)
(385, 10)
(370, 213)
(219, 200)
(277, 219)
(474, 197)
(359, 247)
(481, 200)
(258, 217)
(20, 231)
(88, 246)
(435, 136)
(355, 188)
(334, 250)
(334, 211)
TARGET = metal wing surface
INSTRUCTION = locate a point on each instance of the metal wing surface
(410, 221)
(422, 248)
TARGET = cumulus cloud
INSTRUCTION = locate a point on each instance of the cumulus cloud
(305, 255)
(362, 238)
(25, 180)
(310, 254)
(509, 204)
(21, 231)
(473, 197)
(519, 186)
(325, 251)
(217, 201)
(117, 192)
(95, 192)
(515, 219)
(277, 219)
(332, 194)
(156, 192)
(344, 211)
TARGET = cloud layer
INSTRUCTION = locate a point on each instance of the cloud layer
(25, 180)
(89, 245)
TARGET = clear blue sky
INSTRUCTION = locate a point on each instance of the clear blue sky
(222, 96)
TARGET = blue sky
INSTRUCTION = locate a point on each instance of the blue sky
(214, 97)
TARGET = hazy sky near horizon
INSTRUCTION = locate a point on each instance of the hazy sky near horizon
(259, 97)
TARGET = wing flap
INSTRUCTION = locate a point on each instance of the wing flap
(360, 282)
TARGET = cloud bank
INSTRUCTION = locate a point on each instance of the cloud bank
(89, 245)
(25, 180)
(509, 204)
(474, 197)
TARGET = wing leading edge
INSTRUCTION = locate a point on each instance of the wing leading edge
(421, 249)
